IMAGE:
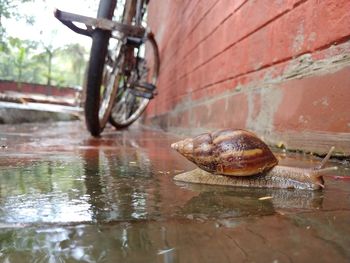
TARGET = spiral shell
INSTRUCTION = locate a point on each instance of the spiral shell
(228, 152)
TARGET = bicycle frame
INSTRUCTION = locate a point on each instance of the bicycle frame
(131, 35)
(68, 19)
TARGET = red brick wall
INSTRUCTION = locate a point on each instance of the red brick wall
(37, 89)
(278, 67)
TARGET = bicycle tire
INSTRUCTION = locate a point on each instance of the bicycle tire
(116, 118)
(97, 59)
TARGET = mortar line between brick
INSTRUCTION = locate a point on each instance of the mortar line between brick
(176, 29)
(191, 14)
(338, 41)
(211, 32)
(242, 38)
(223, 94)
(202, 18)
(185, 37)
(187, 4)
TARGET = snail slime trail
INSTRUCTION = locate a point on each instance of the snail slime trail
(237, 157)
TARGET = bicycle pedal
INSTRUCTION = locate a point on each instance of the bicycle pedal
(146, 85)
(144, 90)
(134, 41)
(142, 94)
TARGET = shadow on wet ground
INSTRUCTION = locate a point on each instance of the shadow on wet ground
(68, 197)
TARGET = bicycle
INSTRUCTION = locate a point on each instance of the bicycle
(120, 79)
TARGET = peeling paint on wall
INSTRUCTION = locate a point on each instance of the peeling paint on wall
(270, 99)
(299, 39)
(276, 72)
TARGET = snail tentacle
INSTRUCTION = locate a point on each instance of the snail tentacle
(320, 172)
(325, 159)
(320, 169)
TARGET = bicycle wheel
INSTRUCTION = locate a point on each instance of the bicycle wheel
(129, 106)
(97, 108)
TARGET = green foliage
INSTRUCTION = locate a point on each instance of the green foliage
(15, 62)
(38, 61)
(9, 9)
(70, 61)
(30, 61)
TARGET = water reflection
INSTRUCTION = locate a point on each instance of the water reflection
(114, 199)
(42, 191)
(121, 242)
(168, 252)
(103, 183)
(222, 202)
(264, 239)
(117, 181)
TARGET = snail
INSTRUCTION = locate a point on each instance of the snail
(239, 158)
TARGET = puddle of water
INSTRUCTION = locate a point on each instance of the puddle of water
(76, 199)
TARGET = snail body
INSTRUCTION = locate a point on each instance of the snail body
(239, 157)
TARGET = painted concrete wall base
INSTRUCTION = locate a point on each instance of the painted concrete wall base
(279, 68)
(304, 108)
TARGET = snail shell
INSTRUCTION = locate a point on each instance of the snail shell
(228, 152)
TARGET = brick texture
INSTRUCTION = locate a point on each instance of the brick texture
(270, 66)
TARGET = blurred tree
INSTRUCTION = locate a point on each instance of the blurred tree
(76, 54)
(17, 59)
(10, 9)
(30, 61)
(43, 61)
(43, 65)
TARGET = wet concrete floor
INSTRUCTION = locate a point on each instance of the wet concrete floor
(67, 197)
